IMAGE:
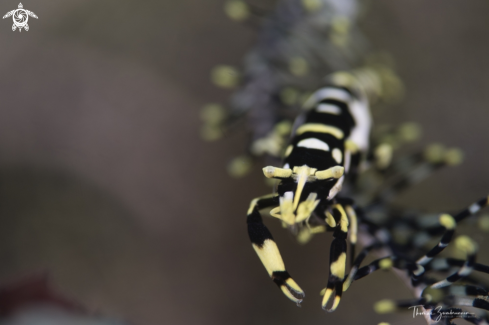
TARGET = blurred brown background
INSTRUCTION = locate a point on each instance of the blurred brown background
(105, 183)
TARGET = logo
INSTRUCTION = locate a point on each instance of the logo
(20, 17)
(437, 314)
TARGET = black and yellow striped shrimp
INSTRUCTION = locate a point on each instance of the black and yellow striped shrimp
(325, 149)
(335, 175)
(328, 149)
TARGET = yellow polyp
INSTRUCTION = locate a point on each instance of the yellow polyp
(283, 128)
(390, 140)
(431, 294)
(322, 292)
(409, 132)
(435, 153)
(271, 144)
(340, 27)
(343, 78)
(383, 323)
(213, 114)
(225, 76)
(483, 222)
(237, 10)
(466, 244)
(385, 306)
(289, 96)
(304, 236)
(447, 221)
(454, 157)
(383, 155)
(385, 264)
(340, 40)
(210, 133)
(312, 5)
(240, 166)
(298, 67)
(393, 88)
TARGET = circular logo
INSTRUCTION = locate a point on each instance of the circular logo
(20, 17)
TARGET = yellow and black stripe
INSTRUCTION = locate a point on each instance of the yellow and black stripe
(267, 249)
(315, 163)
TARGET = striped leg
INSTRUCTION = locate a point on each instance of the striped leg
(267, 250)
(465, 290)
(466, 295)
(383, 263)
(337, 260)
(472, 302)
(473, 209)
(440, 264)
(449, 222)
(470, 247)
(383, 156)
(424, 233)
(356, 264)
(445, 264)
